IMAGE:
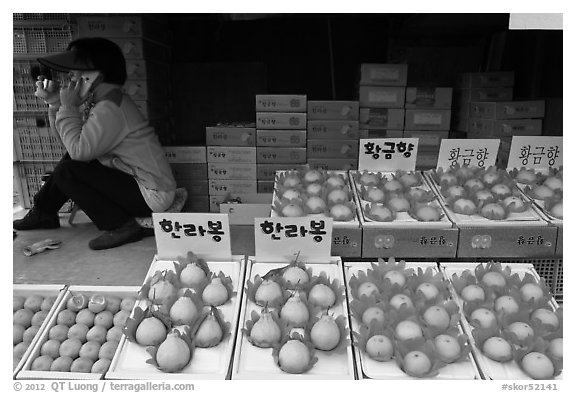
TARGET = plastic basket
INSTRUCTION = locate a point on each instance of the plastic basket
(37, 40)
(21, 17)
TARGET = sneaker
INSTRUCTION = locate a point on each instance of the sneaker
(37, 219)
(129, 232)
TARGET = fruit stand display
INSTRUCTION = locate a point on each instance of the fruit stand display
(493, 217)
(316, 192)
(405, 322)
(401, 216)
(513, 321)
(32, 306)
(184, 323)
(82, 334)
(294, 323)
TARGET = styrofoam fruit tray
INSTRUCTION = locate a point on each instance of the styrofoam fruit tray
(251, 362)
(26, 290)
(490, 368)
(206, 363)
(88, 290)
(373, 369)
(403, 219)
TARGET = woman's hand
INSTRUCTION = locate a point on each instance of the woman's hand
(70, 95)
(50, 94)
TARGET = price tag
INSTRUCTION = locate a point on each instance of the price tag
(538, 152)
(473, 152)
(387, 154)
(205, 234)
(280, 239)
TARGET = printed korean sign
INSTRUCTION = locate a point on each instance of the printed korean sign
(279, 239)
(538, 152)
(473, 152)
(207, 235)
(387, 154)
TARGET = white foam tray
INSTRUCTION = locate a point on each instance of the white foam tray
(37, 289)
(251, 362)
(27, 373)
(490, 368)
(207, 363)
(372, 369)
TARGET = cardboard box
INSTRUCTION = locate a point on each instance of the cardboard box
(505, 128)
(268, 171)
(485, 79)
(280, 103)
(426, 159)
(508, 109)
(280, 121)
(186, 154)
(429, 97)
(333, 164)
(332, 129)
(189, 171)
(333, 110)
(194, 187)
(321, 148)
(242, 209)
(427, 119)
(197, 204)
(265, 186)
(231, 154)
(462, 96)
(231, 135)
(288, 155)
(232, 171)
(382, 96)
(222, 187)
(382, 118)
(281, 138)
(427, 139)
(379, 133)
(383, 74)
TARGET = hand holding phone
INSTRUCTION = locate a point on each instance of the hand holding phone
(88, 79)
(47, 90)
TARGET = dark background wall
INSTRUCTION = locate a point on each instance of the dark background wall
(220, 61)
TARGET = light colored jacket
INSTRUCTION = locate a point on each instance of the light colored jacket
(116, 134)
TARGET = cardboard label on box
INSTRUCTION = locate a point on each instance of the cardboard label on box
(462, 96)
(186, 154)
(280, 121)
(268, 171)
(429, 97)
(382, 118)
(506, 128)
(281, 138)
(222, 187)
(538, 152)
(382, 96)
(240, 198)
(485, 79)
(473, 152)
(322, 148)
(285, 239)
(189, 171)
(332, 129)
(231, 154)
(232, 171)
(388, 154)
(243, 209)
(288, 155)
(333, 164)
(427, 119)
(508, 109)
(333, 110)
(231, 135)
(280, 103)
(178, 233)
(383, 74)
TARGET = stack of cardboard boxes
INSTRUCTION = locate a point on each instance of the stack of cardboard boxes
(333, 134)
(280, 136)
(189, 167)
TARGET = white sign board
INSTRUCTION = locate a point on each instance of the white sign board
(280, 239)
(205, 234)
(472, 152)
(387, 154)
(538, 152)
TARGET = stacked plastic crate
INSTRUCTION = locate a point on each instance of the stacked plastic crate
(190, 170)
(37, 149)
(145, 42)
(333, 134)
(280, 135)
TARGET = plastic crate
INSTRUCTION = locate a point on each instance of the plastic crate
(39, 40)
(38, 17)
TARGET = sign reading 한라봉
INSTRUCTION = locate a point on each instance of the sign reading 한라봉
(205, 234)
(472, 152)
(387, 154)
(538, 152)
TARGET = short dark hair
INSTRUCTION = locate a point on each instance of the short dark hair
(105, 55)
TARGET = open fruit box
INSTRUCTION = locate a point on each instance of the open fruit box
(527, 216)
(262, 362)
(465, 273)
(88, 290)
(213, 362)
(420, 193)
(464, 368)
(26, 290)
(298, 192)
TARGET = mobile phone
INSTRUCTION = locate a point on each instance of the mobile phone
(88, 79)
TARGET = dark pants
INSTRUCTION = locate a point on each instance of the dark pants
(108, 196)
